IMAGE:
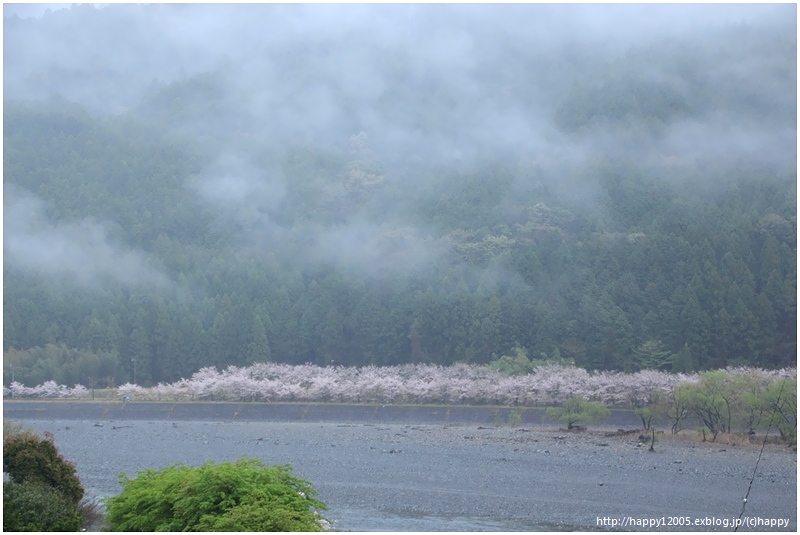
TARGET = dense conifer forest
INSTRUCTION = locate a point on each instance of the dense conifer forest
(225, 185)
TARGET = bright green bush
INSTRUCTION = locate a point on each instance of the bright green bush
(517, 363)
(577, 410)
(260, 516)
(246, 495)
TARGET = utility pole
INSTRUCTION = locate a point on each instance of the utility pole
(134, 370)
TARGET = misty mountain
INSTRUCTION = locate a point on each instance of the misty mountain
(379, 184)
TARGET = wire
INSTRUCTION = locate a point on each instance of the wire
(763, 444)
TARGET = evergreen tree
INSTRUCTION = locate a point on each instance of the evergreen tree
(259, 346)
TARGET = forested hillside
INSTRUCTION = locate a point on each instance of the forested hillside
(380, 185)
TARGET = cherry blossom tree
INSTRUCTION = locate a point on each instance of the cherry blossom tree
(78, 391)
(128, 389)
(647, 391)
(48, 389)
(18, 390)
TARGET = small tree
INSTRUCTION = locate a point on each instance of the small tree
(515, 364)
(653, 355)
(246, 495)
(259, 350)
(658, 407)
(646, 415)
(751, 407)
(711, 400)
(679, 406)
(28, 458)
(577, 410)
(781, 399)
(44, 493)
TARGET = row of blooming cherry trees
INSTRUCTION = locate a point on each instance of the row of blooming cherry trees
(48, 389)
(410, 383)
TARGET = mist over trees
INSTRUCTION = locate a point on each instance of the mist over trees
(213, 185)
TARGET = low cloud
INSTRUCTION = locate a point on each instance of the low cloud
(377, 250)
(247, 201)
(82, 252)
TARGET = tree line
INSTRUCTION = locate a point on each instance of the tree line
(723, 401)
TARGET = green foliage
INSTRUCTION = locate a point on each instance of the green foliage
(726, 401)
(683, 362)
(652, 355)
(35, 506)
(260, 516)
(710, 399)
(752, 406)
(577, 410)
(679, 406)
(659, 408)
(57, 363)
(44, 493)
(646, 414)
(615, 96)
(466, 201)
(781, 400)
(515, 364)
(259, 347)
(28, 458)
(246, 495)
(518, 362)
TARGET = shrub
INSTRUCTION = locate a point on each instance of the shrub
(577, 410)
(29, 458)
(44, 493)
(247, 495)
(259, 516)
(34, 506)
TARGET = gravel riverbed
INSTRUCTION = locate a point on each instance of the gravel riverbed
(461, 477)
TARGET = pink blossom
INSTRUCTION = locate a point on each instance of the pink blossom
(128, 389)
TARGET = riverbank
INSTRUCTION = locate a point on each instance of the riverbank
(456, 476)
(290, 412)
